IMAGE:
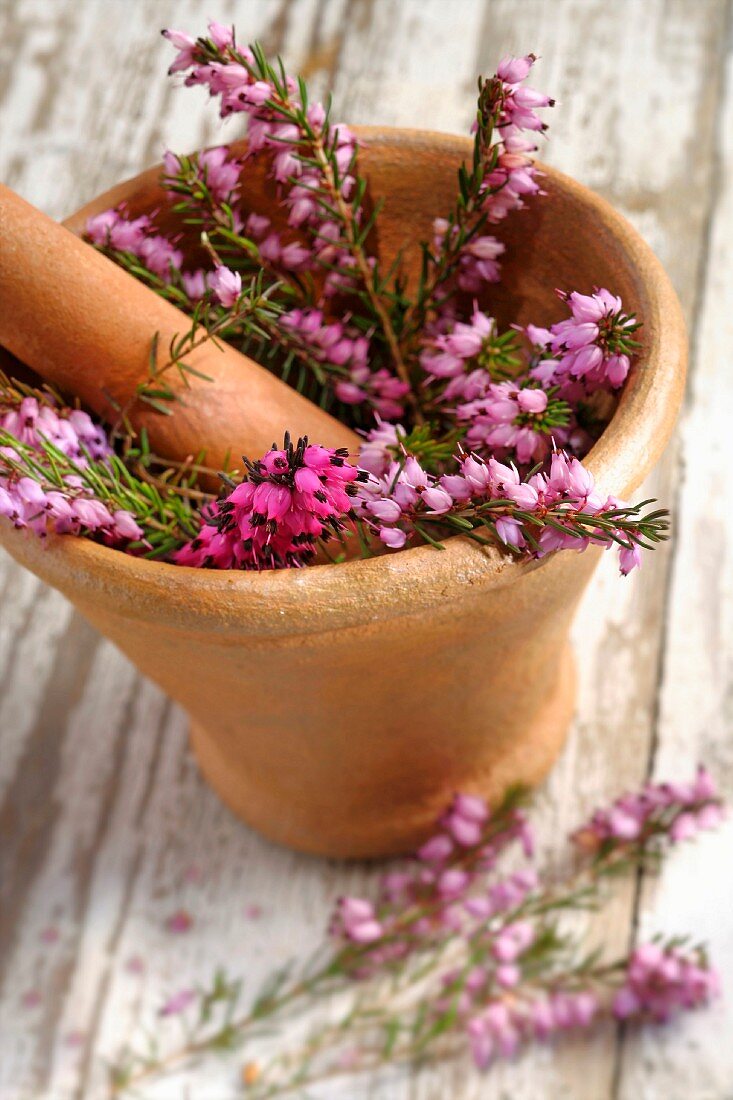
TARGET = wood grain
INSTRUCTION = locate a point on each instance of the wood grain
(106, 828)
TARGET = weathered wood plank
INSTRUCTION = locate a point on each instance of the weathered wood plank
(130, 835)
(696, 705)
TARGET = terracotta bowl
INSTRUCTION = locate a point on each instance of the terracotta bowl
(337, 708)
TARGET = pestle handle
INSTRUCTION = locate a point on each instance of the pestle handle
(85, 325)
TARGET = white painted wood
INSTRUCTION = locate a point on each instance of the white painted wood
(696, 702)
(107, 830)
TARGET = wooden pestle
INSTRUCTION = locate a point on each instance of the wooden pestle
(85, 325)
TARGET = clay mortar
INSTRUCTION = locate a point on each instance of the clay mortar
(337, 708)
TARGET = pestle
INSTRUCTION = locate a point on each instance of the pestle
(85, 325)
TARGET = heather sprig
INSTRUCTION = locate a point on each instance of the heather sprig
(206, 187)
(456, 954)
(544, 512)
(314, 161)
(657, 982)
(497, 181)
(589, 351)
(46, 490)
(59, 473)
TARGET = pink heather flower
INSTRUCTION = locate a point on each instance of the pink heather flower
(513, 70)
(435, 850)
(186, 47)
(446, 355)
(508, 419)
(684, 827)
(341, 346)
(221, 35)
(356, 920)
(98, 227)
(91, 513)
(510, 532)
(226, 285)
(437, 500)
(513, 174)
(629, 558)
(664, 810)
(392, 503)
(453, 882)
(532, 400)
(220, 171)
(194, 284)
(114, 229)
(465, 819)
(393, 537)
(178, 1003)
(125, 526)
(660, 982)
(591, 350)
(704, 786)
(513, 941)
(160, 255)
(135, 965)
(508, 975)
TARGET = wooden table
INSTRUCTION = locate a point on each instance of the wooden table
(107, 830)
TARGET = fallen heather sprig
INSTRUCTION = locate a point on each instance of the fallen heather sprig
(456, 953)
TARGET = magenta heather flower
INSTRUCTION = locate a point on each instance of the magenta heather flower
(291, 499)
